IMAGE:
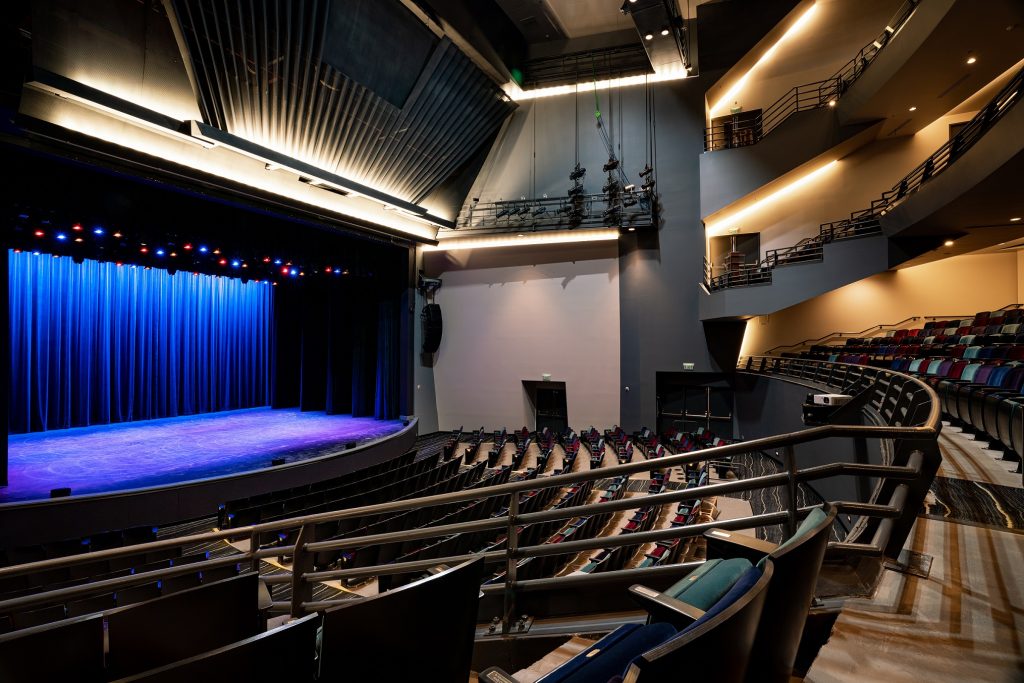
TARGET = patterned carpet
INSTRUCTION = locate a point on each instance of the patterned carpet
(156, 452)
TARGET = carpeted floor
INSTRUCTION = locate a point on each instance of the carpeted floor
(156, 452)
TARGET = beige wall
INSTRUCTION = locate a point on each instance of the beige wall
(515, 314)
(955, 286)
(832, 35)
(849, 185)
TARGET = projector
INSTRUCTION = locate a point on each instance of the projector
(818, 407)
(829, 399)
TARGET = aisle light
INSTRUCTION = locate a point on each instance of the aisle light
(722, 225)
(731, 93)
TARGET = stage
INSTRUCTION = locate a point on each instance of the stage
(119, 457)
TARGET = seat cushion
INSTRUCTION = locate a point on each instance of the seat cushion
(706, 585)
(611, 655)
(812, 520)
(738, 590)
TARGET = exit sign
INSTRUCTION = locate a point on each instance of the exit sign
(687, 366)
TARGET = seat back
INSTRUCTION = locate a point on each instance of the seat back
(68, 650)
(430, 623)
(716, 646)
(797, 563)
(286, 653)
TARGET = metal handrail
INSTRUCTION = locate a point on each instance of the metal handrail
(727, 134)
(924, 430)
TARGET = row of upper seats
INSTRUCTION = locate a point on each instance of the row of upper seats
(594, 441)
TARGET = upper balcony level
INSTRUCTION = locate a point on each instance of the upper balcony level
(918, 61)
(961, 198)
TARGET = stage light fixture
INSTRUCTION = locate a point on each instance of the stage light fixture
(947, 243)
(159, 252)
(79, 239)
(223, 262)
(235, 264)
(187, 247)
(611, 165)
(647, 171)
(576, 191)
(39, 233)
(629, 188)
(118, 235)
(97, 231)
(144, 250)
(1015, 219)
(577, 173)
(203, 250)
(294, 272)
(61, 236)
(174, 254)
(972, 60)
(284, 270)
(277, 262)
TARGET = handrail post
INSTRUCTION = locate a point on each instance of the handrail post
(254, 544)
(789, 460)
(302, 562)
(511, 545)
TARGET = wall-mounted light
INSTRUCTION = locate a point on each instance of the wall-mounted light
(972, 60)
(493, 241)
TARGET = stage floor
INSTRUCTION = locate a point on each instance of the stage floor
(131, 455)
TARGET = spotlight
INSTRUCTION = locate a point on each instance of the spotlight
(118, 235)
(293, 272)
(277, 262)
(629, 201)
(504, 212)
(1015, 219)
(97, 231)
(77, 227)
(223, 262)
(831, 103)
(649, 36)
(947, 243)
(39, 233)
(664, 30)
(647, 171)
(159, 252)
(648, 186)
(235, 263)
(612, 164)
(972, 60)
(576, 191)
(540, 211)
(612, 187)
(61, 236)
(629, 188)
(577, 173)
(632, 229)
(187, 247)
(266, 259)
(203, 250)
(79, 239)
(285, 270)
(912, 109)
(144, 250)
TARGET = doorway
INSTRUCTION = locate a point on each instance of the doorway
(549, 405)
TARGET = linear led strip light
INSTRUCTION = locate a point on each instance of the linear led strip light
(517, 94)
(525, 239)
(202, 134)
(733, 90)
(722, 226)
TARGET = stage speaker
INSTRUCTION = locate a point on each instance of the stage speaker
(276, 461)
(351, 444)
(430, 319)
(62, 492)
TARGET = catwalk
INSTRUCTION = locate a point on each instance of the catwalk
(109, 458)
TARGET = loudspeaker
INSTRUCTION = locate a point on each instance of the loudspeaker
(430, 319)
(276, 461)
(351, 444)
(60, 493)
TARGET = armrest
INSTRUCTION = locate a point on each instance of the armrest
(663, 608)
(728, 544)
(496, 675)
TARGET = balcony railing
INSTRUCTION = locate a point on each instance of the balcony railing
(905, 413)
(737, 131)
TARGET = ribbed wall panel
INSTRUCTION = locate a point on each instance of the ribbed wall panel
(260, 72)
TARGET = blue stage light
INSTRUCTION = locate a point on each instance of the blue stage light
(294, 271)
(235, 264)
(61, 236)
(203, 250)
(277, 262)
(159, 252)
(97, 230)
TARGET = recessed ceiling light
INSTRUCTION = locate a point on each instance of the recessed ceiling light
(632, 229)
(831, 103)
(912, 109)
(649, 36)
(948, 243)
(972, 60)
(664, 31)
(1015, 219)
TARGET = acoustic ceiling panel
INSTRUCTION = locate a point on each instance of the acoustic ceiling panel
(273, 72)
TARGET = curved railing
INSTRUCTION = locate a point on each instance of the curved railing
(906, 414)
(739, 131)
(866, 222)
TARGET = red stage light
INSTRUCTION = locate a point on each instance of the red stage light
(266, 259)
(223, 262)
(188, 247)
(144, 250)
(76, 227)
(284, 270)
(327, 270)
(39, 233)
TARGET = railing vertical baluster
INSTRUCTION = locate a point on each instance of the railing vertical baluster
(254, 544)
(511, 545)
(302, 562)
(789, 459)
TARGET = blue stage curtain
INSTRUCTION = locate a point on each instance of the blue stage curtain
(386, 404)
(94, 343)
